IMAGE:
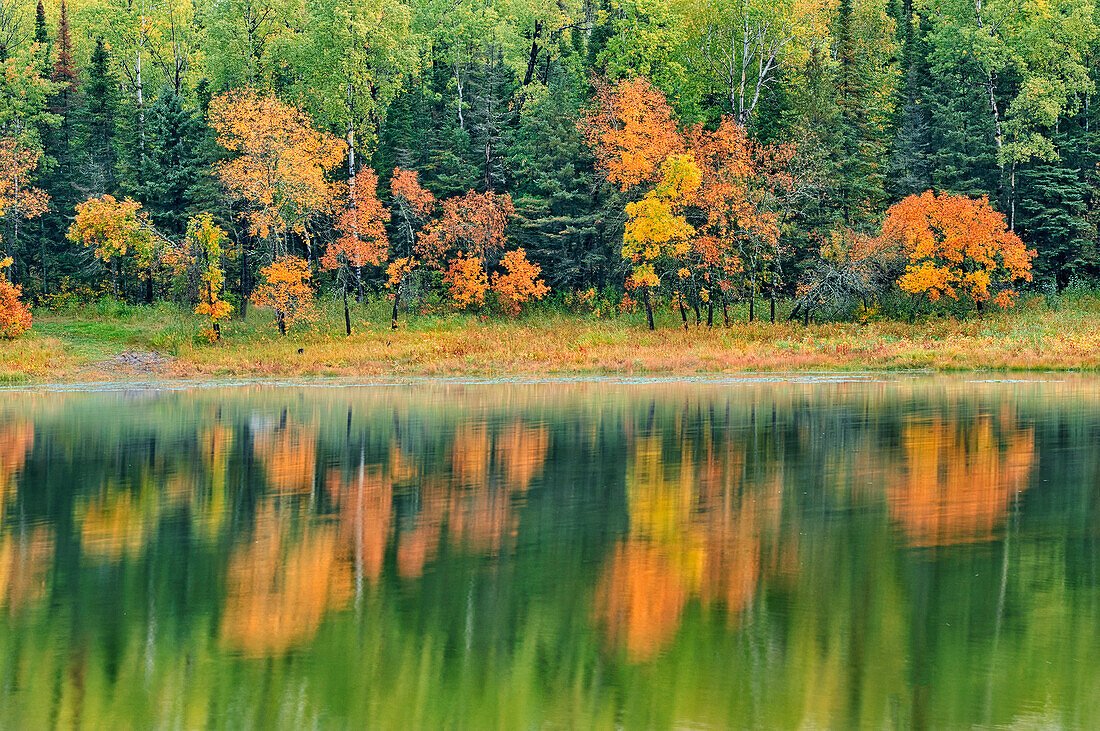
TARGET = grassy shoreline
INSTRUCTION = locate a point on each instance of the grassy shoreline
(109, 341)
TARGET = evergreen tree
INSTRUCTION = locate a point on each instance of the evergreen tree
(962, 156)
(491, 118)
(1052, 212)
(556, 193)
(98, 125)
(179, 151)
(60, 172)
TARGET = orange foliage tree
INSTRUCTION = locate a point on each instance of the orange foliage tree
(631, 129)
(520, 283)
(466, 282)
(286, 290)
(15, 316)
(363, 239)
(18, 200)
(743, 199)
(280, 165)
(471, 231)
(114, 229)
(717, 200)
(413, 205)
(958, 247)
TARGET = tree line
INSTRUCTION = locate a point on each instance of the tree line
(846, 156)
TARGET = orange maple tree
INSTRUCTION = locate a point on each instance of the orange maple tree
(413, 205)
(362, 227)
(15, 316)
(957, 247)
(279, 168)
(18, 199)
(631, 129)
(466, 282)
(286, 290)
(362, 240)
(473, 224)
(519, 284)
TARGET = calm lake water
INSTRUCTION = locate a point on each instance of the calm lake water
(913, 551)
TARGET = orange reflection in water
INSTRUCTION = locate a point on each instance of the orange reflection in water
(25, 559)
(488, 471)
(365, 504)
(289, 455)
(694, 532)
(280, 585)
(958, 483)
(639, 598)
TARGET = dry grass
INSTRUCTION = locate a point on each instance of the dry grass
(83, 345)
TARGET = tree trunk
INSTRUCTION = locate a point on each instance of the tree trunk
(772, 305)
(347, 314)
(710, 312)
(281, 318)
(752, 301)
(683, 312)
(149, 286)
(396, 302)
(648, 307)
(533, 56)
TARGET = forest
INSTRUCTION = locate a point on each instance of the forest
(848, 159)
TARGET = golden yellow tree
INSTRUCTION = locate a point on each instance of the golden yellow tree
(279, 166)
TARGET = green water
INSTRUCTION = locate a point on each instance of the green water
(918, 552)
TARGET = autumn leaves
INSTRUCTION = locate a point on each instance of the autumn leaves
(711, 208)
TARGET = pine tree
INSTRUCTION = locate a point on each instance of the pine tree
(491, 119)
(98, 125)
(177, 180)
(555, 193)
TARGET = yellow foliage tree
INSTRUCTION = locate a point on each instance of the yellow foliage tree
(280, 165)
(656, 228)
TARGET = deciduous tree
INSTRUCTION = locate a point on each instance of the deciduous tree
(115, 229)
(286, 290)
(18, 199)
(15, 316)
(519, 284)
(279, 166)
(363, 239)
(957, 247)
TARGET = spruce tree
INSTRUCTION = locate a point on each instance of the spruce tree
(555, 192)
(491, 118)
(177, 180)
(98, 125)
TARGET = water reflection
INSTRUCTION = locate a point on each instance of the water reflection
(591, 554)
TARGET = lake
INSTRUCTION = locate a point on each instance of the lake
(774, 552)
